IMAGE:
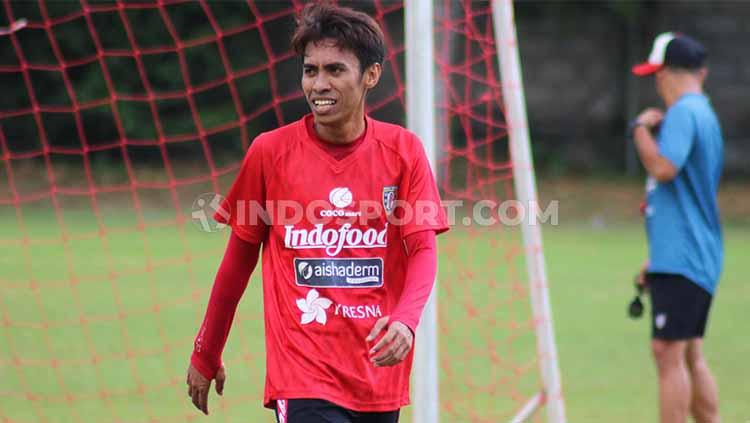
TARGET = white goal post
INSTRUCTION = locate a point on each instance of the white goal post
(420, 106)
(420, 119)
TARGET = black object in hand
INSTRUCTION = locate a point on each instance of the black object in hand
(634, 123)
(635, 309)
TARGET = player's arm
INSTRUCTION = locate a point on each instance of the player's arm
(421, 268)
(231, 280)
(420, 191)
(648, 150)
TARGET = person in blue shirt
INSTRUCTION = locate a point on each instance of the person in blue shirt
(682, 151)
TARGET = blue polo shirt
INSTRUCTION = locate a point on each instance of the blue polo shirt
(682, 215)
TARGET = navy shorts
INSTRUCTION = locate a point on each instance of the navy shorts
(679, 307)
(321, 411)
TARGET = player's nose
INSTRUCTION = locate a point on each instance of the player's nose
(321, 83)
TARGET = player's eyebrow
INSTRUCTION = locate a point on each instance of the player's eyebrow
(327, 66)
(334, 66)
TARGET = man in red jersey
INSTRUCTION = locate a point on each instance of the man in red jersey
(346, 210)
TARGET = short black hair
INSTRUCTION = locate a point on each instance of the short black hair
(349, 29)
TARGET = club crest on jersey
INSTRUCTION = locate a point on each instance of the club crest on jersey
(389, 198)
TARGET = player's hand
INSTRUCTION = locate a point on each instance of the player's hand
(650, 117)
(198, 387)
(640, 278)
(394, 346)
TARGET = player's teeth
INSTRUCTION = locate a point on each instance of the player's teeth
(324, 102)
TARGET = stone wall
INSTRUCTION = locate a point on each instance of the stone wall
(580, 94)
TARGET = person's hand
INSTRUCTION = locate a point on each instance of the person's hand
(198, 387)
(395, 344)
(640, 278)
(650, 117)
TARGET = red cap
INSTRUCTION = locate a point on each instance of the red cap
(645, 68)
(656, 58)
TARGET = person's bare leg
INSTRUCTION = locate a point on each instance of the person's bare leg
(674, 380)
(704, 402)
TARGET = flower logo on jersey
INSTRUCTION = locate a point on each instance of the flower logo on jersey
(313, 307)
(340, 197)
(389, 198)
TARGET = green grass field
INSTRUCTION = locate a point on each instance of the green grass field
(99, 329)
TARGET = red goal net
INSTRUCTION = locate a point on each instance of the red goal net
(117, 121)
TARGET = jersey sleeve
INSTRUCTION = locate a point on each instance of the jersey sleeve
(243, 209)
(234, 272)
(421, 268)
(421, 196)
(676, 135)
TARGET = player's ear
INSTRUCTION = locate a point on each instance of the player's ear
(372, 75)
(703, 74)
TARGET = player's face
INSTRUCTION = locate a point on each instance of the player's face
(660, 79)
(667, 81)
(333, 84)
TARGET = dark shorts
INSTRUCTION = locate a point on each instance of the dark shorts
(679, 307)
(321, 411)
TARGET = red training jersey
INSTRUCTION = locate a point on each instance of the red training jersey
(333, 258)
